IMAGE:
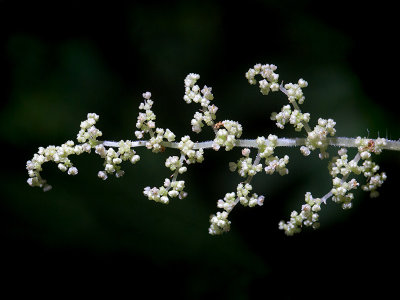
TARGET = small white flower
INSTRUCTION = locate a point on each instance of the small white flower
(246, 152)
(72, 171)
(147, 95)
(305, 150)
(102, 175)
(63, 167)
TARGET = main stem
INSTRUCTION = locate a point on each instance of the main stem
(282, 142)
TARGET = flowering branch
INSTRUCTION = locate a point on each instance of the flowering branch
(227, 135)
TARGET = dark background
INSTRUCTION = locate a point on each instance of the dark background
(60, 61)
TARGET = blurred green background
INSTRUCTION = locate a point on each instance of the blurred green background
(61, 61)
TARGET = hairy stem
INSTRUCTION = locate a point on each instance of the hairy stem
(282, 142)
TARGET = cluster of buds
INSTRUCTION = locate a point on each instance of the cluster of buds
(113, 159)
(246, 168)
(191, 156)
(366, 147)
(154, 143)
(266, 147)
(340, 191)
(341, 166)
(373, 182)
(295, 92)
(244, 165)
(275, 164)
(294, 117)
(174, 188)
(270, 78)
(226, 137)
(220, 222)
(204, 96)
(169, 189)
(318, 137)
(145, 120)
(57, 154)
(174, 163)
(228, 203)
(243, 194)
(88, 131)
(272, 163)
(307, 217)
(283, 117)
(146, 124)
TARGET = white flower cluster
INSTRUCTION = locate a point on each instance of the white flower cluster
(307, 217)
(340, 166)
(186, 147)
(243, 193)
(286, 115)
(228, 203)
(370, 169)
(245, 167)
(340, 191)
(297, 119)
(155, 141)
(341, 187)
(146, 124)
(203, 97)
(243, 196)
(219, 223)
(318, 137)
(88, 131)
(269, 81)
(145, 120)
(373, 182)
(283, 117)
(173, 163)
(368, 146)
(170, 189)
(226, 137)
(113, 159)
(273, 163)
(173, 188)
(295, 92)
(340, 169)
(58, 154)
(266, 148)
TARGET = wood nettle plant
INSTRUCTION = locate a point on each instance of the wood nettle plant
(227, 135)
